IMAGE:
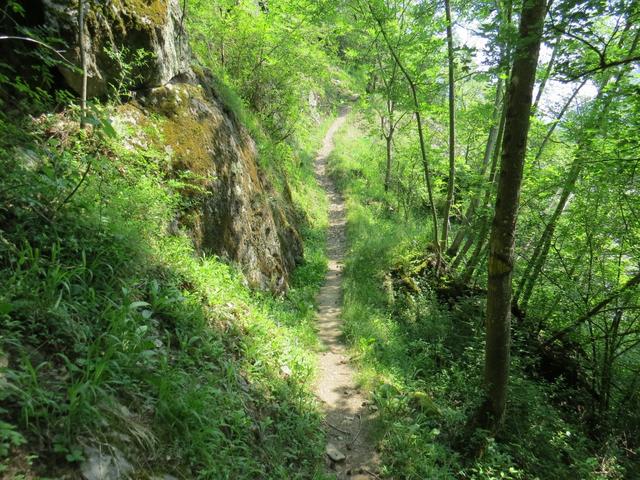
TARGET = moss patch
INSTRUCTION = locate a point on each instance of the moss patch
(191, 142)
(191, 139)
(154, 10)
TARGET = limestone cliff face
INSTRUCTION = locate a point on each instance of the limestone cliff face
(115, 30)
(235, 212)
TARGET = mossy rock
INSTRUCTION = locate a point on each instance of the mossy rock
(124, 26)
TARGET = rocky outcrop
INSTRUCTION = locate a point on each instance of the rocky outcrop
(233, 211)
(140, 42)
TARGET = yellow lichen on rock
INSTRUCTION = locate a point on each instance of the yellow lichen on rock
(190, 141)
(154, 10)
(190, 138)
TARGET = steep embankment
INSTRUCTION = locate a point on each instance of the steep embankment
(130, 344)
(234, 211)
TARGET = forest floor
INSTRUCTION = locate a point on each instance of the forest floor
(348, 415)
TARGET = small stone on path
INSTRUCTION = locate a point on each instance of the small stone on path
(334, 454)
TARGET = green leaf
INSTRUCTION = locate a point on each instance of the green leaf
(91, 120)
(108, 129)
(75, 455)
(5, 307)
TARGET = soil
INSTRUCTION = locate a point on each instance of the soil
(349, 415)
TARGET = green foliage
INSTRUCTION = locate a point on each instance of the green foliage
(421, 357)
(273, 59)
(116, 333)
(31, 55)
(130, 66)
(9, 438)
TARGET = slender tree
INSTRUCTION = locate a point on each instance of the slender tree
(482, 225)
(502, 241)
(83, 63)
(388, 121)
(452, 129)
(559, 116)
(418, 116)
(492, 139)
(547, 72)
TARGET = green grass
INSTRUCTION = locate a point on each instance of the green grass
(114, 334)
(383, 347)
(422, 360)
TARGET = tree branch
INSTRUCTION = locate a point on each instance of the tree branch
(38, 42)
(633, 282)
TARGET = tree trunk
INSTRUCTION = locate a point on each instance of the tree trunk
(547, 72)
(426, 169)
(502, 241)
(535, 264)
(482, 222)
(452, 130)
(555, 123)
(83, 64)
(387, 176)
(388, 136)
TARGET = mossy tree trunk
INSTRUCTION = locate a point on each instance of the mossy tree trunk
(502, 240)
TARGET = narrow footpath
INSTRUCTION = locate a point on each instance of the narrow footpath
(348, 416)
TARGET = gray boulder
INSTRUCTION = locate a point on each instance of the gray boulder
(115, 32)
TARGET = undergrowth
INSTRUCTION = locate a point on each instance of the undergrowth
(421, 356)
(115, 336)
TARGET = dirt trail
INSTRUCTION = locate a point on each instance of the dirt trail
(348, 417)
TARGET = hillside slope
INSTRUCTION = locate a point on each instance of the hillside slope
(139, 331)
